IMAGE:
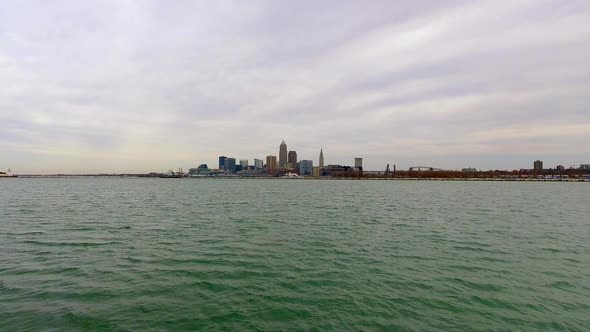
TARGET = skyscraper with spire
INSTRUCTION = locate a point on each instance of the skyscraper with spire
(321, 158)
(283, 154)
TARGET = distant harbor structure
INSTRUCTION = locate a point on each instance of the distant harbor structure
(358, 164)
(8, 174)
(321, 158)
(538, 166)
(202, 170)
(173, 175)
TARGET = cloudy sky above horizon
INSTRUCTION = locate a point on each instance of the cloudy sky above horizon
(137, 86)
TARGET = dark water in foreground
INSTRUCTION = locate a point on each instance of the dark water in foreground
(182, 254)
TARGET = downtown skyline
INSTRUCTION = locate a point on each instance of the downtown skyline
(110, 86)
(285, 160)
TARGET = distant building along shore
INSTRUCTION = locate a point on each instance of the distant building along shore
(289, 165)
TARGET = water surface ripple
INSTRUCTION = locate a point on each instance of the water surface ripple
(214, 254)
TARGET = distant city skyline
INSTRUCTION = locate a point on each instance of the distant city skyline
(288, 162)
(229, 162)
(137, 86)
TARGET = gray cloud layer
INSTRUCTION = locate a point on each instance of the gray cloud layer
(89, 86)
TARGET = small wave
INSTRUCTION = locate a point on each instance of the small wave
(89, 322)
(493, 259)
(70, 229)
(468, 268)
(465, 248)
(553, 250)
(563, 285)
(477, 285)
(495, 303)
(25, 233)
(71, 244)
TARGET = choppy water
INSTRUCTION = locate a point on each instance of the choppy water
(182, 254)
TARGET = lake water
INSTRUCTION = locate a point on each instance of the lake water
(221, 254)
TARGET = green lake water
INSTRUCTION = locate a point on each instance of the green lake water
(135, 254)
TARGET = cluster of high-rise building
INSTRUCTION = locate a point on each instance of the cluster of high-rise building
(286, 163)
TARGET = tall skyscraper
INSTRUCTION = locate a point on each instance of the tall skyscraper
(222, 162)
(321, 158)
(292, 159)
(538, 165)
(283, 154)
(271, 164)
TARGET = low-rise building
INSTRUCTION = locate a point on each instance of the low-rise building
(230, 165)
(258, 163)
(315, 171)
(244, 163)
(271, 164)
(202, 170)
(305, 167)
(222, 162)
(332, 170)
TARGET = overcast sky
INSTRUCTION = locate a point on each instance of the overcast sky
(137, 86)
